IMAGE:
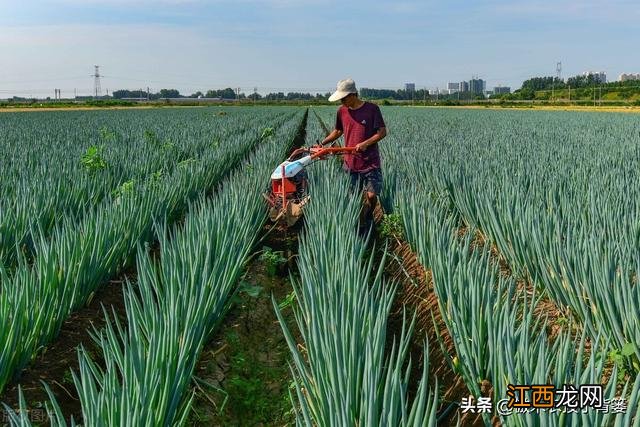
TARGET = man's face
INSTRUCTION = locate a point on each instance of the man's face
(346, 101)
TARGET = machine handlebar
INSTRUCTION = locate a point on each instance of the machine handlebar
(319, 151)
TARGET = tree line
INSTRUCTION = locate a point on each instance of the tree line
(533, 88)
(580, 86)
(227, 94)
(230, 94)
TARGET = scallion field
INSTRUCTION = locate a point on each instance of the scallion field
(142, 283)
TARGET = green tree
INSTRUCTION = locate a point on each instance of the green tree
(170, 93)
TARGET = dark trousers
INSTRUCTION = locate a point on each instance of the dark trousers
(370, 181)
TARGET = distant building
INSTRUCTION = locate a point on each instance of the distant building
(464, 87)
(599, 76)
(453, 87)
(498, 90)
(410, 87)
(476, 86)
(626, 77)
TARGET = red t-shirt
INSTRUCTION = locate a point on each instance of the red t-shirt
(359, 125)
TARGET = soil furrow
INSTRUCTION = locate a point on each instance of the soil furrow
(243, 375)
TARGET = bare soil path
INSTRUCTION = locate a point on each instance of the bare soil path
(243, 377)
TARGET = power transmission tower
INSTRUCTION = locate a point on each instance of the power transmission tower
(255, 94)
(558, 77)
(97, 91)
(559, 70)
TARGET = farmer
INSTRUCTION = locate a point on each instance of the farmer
(362, 125)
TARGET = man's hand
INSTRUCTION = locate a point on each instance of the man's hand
(362, 147)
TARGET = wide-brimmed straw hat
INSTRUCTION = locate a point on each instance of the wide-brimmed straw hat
(343, 88)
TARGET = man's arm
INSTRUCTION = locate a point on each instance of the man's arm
(381, 133)
(335, 134)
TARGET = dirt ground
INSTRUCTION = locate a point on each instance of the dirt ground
(243, 377)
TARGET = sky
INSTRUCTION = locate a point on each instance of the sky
(306, 45)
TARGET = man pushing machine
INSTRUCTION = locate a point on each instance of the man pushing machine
(362, 125)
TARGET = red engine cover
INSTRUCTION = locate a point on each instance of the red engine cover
(276, 186)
